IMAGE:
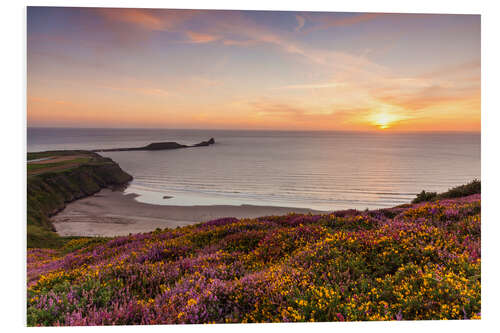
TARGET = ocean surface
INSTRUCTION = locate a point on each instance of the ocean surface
(318, 170)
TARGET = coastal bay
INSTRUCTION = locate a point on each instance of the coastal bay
(315, 170)
(111, 213)
(191, 166)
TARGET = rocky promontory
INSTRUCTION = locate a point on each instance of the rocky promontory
(63, 177)
(160, 146)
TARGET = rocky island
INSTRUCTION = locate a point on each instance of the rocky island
(160, 146)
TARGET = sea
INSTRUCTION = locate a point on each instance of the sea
(317, 170)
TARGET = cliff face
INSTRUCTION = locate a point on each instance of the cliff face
(49, 192)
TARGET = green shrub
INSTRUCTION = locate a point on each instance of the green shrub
(473, 187)
(424, 196)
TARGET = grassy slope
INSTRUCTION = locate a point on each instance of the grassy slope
(39, 167)
(473, 187)
(418, 261)
(48, 193)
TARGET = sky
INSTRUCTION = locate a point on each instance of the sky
(208, 69)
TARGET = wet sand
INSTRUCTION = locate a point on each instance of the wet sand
(112, 213)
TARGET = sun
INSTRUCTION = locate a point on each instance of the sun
(383, 119)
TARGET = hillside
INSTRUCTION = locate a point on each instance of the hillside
(56, 178)
(419, 261)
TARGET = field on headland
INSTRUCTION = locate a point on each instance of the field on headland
(418, 261)
(55, 178)
(56, 163)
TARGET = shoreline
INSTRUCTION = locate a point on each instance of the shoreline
(113, 213)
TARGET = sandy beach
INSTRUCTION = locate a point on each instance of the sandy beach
(113, 213)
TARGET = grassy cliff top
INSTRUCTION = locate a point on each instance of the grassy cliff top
(59, 153)
(55, 178)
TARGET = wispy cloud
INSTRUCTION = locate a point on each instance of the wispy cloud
(236, 29)
(300, 22)
(473, 65)
(250, 33)
(201, 38)
(273, 108)
(138, 90)
(314, 85)
(306, 116)
(143, 18)
(322, 21)
(350, 20)
(247, 42)
(428, 97)
(148, 19)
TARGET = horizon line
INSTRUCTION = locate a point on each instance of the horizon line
(256, 129)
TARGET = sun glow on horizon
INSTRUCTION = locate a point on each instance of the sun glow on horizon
(383, 121)
(386, 117)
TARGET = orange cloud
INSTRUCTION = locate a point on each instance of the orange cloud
(143, 91)
(282, 115)
(200, 38)
(148, 19)
(428, 96)
(247, 42)
(143, 18)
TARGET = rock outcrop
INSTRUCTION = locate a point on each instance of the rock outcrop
(160, 146)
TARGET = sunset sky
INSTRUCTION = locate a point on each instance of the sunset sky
(158, 68)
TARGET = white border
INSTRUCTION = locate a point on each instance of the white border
(14, 148)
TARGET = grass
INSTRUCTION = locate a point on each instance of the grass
(43, 154)
(45, 238)
(72, 163)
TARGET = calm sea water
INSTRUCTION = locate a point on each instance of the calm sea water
(320, 170)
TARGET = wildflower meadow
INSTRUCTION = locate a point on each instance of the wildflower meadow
(411, 262)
